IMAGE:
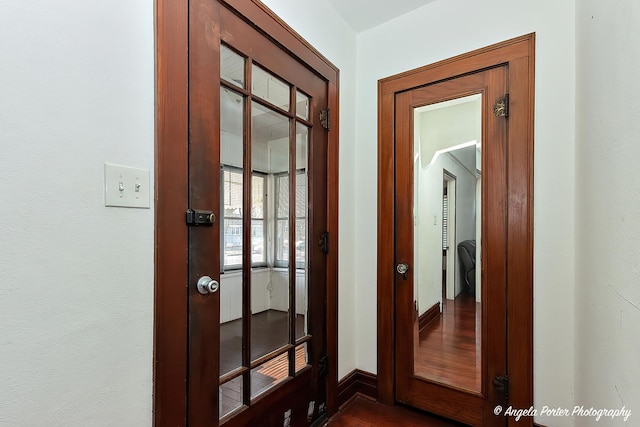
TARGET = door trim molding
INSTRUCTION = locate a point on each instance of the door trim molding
(357, 383)
(170, 358)
(519, 54)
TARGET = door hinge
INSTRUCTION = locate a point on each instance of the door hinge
(197, 217)
(323, 242)
(501, 107)
(501, 384)
(323, 366)
(324, 118)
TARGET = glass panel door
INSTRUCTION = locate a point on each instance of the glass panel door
(260, 298)
(264, 155)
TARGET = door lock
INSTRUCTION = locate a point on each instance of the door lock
(206, 285)
(197, 217)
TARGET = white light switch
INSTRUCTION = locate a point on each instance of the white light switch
(126, 187)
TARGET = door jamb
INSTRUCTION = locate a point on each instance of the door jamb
(171, 196)
(519, 55)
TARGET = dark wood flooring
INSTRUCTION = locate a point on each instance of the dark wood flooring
(450, 345)
(366, 413)
(269, 331)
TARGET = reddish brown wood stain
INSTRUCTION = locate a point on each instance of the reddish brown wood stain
(449, 350)
(362, 412)
(186, 332)
(452, 402)
(516, 180)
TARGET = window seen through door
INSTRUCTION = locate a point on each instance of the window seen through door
(264, 149)
(231, 224)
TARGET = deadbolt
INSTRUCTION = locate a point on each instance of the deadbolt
(197, 217)
(206, 285)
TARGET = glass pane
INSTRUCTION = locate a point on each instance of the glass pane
(301, 195)
(269, 139)
(282, 210)
(230, 396)
(231, 287)
(258, 254)
(230, 322)
(257, 198)
(447, 236)
(231, 127)
(269, 374)
(231, 66)
(270, 328)
(301, 240)
(282, 221)
(258, 235)
(270, 287)
(270, 88)
(302, 105)
(282, 242)
(302, 356)
(302, 148)
(301, 301)
(232, 243)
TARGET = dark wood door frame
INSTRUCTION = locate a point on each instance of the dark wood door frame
(518, 55)
(171, 195)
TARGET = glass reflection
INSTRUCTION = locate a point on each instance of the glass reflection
(302, 149)
(277, 232)
(269, 374)
(270, 88)
(230, 396)
(302, 105)
(447, 236)
(270, 306)
(231, 146)
(231, 66)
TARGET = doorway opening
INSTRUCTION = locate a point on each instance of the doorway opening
(448, 235)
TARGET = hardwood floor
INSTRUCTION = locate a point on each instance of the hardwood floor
(450, 345)
(270, 330)
(449, 352)
(363, 412)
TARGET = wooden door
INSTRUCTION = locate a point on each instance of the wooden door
(475, 345)
(504, 183)
(258, 158)
(254, 174)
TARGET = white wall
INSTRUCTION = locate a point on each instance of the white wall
(439, 127)
(429, 226)
(438, 31)
(269, 291)
(231, 293)
(608, 208)
(76, 294)
(319, 23)
(76, 278)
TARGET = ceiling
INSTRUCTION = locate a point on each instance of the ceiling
(364, 14)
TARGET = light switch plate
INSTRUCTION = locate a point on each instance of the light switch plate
(126, 187)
